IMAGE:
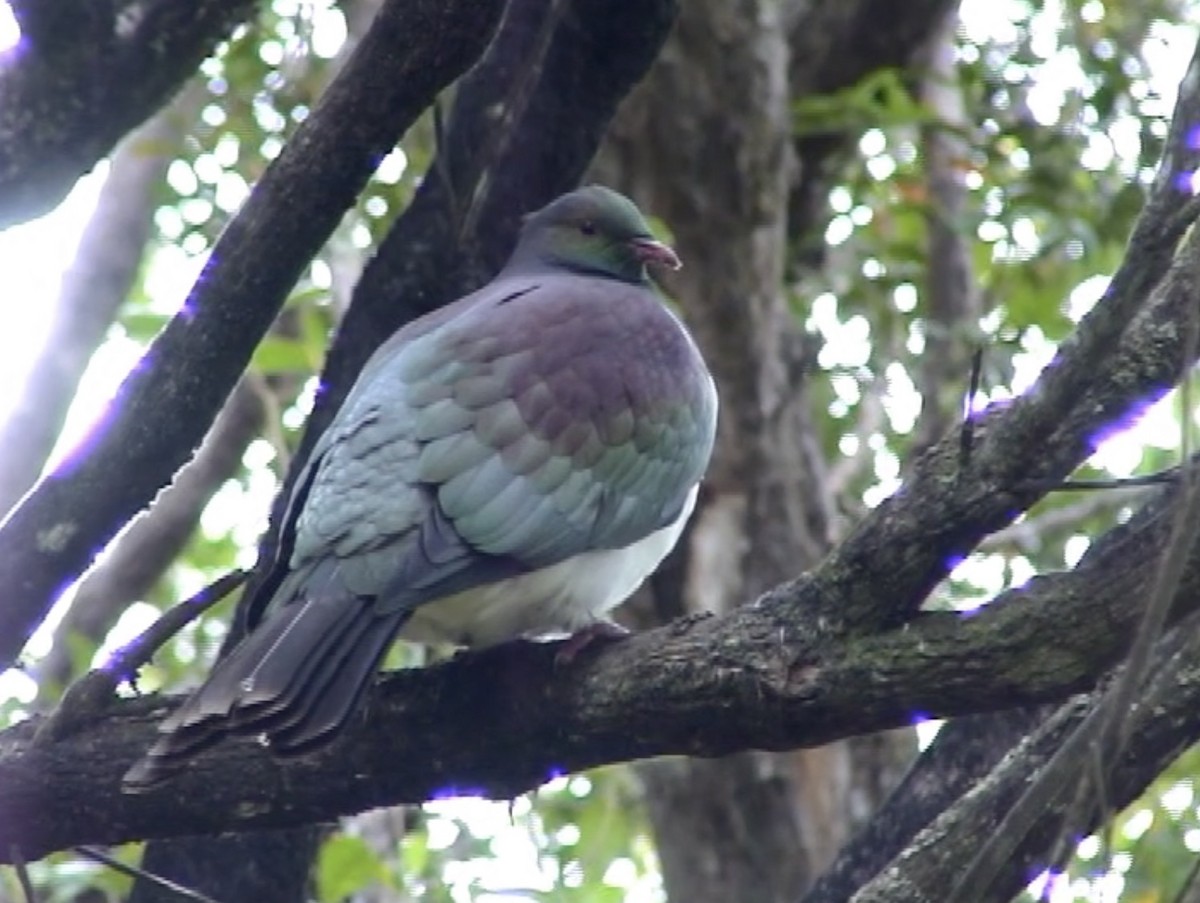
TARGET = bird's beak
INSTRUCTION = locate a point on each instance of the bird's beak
(649, 250)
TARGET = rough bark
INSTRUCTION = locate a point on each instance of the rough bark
(93, 287)
(964, 751)
(772, 675)
(141, 554)
(82, 76)
(165, 405)
(1164, 722)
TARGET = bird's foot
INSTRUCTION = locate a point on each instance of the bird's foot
(596, 632)
(684, 623)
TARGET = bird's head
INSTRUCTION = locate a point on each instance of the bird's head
(592, 230)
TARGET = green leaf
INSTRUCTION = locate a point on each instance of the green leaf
(345, 866)
(278, 354)
(143, 326)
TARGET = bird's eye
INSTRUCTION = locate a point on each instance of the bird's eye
(587, 227)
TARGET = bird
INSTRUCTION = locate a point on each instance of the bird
(513, 464)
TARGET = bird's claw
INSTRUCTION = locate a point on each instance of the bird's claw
(597, 632)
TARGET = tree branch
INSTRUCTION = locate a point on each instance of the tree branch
(1143, 330)
(154, 539)
(768, 676)
(1165, 721)
(91, 292)
(964, 751)
(83, 75)
(165, 405)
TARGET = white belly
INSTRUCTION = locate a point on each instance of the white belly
(562, 598)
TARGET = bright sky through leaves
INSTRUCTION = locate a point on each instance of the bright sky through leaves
(34, 255)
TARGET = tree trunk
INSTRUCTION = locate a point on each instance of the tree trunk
(706, 143)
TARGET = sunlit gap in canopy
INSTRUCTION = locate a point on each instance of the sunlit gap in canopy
(10, 32)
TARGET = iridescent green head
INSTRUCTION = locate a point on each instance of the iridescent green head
(591, 230)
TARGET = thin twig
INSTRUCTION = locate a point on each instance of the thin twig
(141, 874)
(125, 662)
(1170, 475)
(22, 869)
(91, 692)
(1029, 534)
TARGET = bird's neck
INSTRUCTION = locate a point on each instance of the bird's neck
(538, 263)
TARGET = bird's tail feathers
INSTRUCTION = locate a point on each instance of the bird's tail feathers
(295, 679)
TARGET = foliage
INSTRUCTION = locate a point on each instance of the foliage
(1054, 176)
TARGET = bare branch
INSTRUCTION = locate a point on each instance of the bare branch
(84, 76)
(165, 405)
(93, 690)
(1165, 721)
(115, 864)
(1023, 448)
(768, 676)
(963, 752)
(141, 554)
(1030, 534)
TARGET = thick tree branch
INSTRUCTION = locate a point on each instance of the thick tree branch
(963, 752)
(769, 676)
(1128, 351)
(154, 539)
(164, 407)
(1165, 721)
(82, 76)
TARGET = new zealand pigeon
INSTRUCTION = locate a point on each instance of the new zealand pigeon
(515, 463)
